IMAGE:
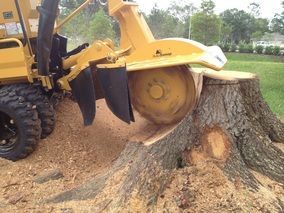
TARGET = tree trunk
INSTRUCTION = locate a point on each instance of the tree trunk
(232, 126)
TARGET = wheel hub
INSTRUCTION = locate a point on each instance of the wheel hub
(157, 91)
(8, 131)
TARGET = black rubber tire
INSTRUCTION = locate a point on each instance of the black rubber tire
(34, 95)
(26, 120)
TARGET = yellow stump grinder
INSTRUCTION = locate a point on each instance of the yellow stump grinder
(152, 76)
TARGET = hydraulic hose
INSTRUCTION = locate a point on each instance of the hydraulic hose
(48, 13)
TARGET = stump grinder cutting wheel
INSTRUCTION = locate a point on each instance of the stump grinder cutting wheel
(153, 76)
(163, 96)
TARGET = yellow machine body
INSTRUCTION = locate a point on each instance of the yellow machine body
(160, 80)
(16, 55)
(139, 50)
(161, 68)
(10, 26)
(148, 53)
(15, 64)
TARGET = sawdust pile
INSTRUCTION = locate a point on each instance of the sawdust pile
(80, 153)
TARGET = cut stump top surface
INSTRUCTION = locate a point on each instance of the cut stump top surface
(225, 75)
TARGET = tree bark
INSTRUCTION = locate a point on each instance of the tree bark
(232, 126)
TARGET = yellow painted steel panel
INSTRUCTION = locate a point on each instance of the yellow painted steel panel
(164, 62)
(12, 63)
(9, 20)
(174, 52)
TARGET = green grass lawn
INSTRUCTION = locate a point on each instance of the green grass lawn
(270, 69)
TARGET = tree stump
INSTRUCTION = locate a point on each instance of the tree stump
(232, 126)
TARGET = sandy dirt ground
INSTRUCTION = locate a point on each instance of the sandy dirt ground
(205, 188)
(81, 153)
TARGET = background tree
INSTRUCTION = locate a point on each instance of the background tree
(67, 6)
(232, 26)
(164, 25)
(226, 33)
(100, 25)
(254, 9)
(260, 27)
(207, 7)
(183, 11)
(206, 26)
(277, 23)
(241, 23)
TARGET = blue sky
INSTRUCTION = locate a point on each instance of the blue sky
(268, 7)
